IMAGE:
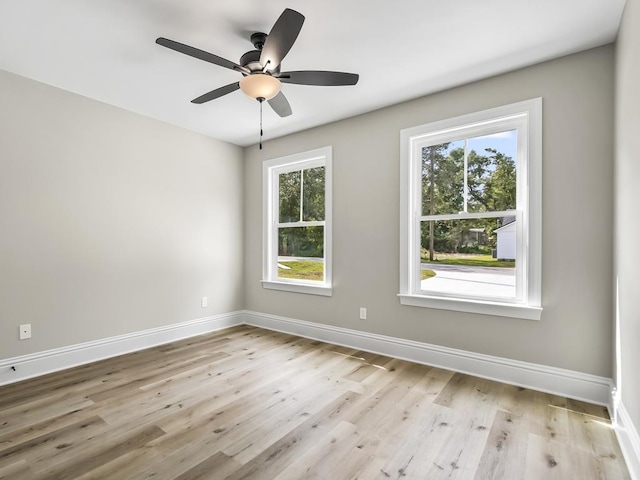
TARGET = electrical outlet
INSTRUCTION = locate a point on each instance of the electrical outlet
(204, 302)
(363, 313)
(25, 331)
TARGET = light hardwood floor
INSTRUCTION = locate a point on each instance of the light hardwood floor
(250, 403)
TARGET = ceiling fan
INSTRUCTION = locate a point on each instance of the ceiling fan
(260, 68)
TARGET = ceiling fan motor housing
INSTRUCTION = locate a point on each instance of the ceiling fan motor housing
(251, 60)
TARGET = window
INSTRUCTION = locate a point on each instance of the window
(297, 223)
(471, 212)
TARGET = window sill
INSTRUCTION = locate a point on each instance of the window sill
(298, 288)
(525, 312)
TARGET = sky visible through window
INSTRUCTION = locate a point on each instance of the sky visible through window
(504, 142)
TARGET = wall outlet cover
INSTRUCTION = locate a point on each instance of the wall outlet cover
(25, 331)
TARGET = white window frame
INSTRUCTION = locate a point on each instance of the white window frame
(271, 169)
(524, 116)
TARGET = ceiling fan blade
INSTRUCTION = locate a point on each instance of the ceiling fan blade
(200, 54)
(217, 93)
(318, 77)
(281, 38)
(280, 105)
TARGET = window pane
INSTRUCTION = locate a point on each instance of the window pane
(313, 194)
(289, 196)
(443, 178)
(491, 172)
(473, 257)
(301, 242)
(301, 253)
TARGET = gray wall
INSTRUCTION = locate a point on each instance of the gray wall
(113, 223)
(110, 222)
(627, 230)
(575, 330)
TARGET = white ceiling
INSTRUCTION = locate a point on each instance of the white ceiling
(105, 49)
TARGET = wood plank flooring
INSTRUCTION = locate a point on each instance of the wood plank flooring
(247, 403)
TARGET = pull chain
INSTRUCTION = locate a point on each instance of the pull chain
(260, 99)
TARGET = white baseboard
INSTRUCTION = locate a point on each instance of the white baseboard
(567, 383)
(628, 438)
(558, 381)
(41, 363)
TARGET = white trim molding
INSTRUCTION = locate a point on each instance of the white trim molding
(558, 381)
(298, 288)
(627, 437)
(20, 368)
(525, 312)
(271, 223)
(525, 118)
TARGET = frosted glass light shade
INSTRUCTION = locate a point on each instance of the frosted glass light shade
(259, 85)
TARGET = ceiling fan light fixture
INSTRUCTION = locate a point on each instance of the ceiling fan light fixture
(260, 85)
